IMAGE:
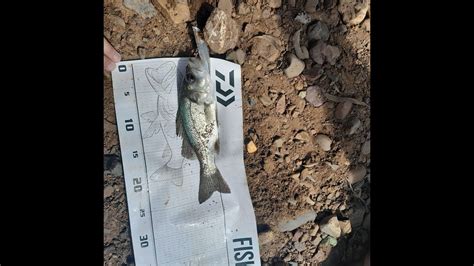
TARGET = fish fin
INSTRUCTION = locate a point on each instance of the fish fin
(217, 146)
(210, 183)
(186, 149)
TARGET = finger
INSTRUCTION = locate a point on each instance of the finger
(109, 65)
(111, 52)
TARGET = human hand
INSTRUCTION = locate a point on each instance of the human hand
(111, 56)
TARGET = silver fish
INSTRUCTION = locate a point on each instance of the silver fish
(196, 121)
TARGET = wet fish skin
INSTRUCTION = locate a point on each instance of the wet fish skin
(196, 122)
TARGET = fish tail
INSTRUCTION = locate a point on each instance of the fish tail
(210, 182)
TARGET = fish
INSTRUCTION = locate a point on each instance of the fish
(196, 121)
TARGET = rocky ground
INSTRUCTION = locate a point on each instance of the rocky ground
(306, 91)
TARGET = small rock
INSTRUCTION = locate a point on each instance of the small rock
(322, 52)
(329, 240)
(226, 6)
(266, 13)
(296, 236)
(295, 68)
(310, 6)
(331, 227)
(318, 31)
(302, 94)
(299, 85)
(292, 263)
(356, 174)
(258, 68)
(266, 237)
(345, 227)
(356, 123)
(292, 224)
(287, 258)
(365, 150)
(352, 12)
(299, 258)
(301, 51)
(266, 46)
(143, 7)
(316, 52)
(303, 18)
(278, 142)
(265, 100)
(303, 136)
(221, 31)
(304, 238)
(274, 3)
(243, 8)
(332, 53)
(320, 256)
(300, 246)
(314, 230)
(317, 240)
(281, 105)
(116, 20)
(240, 56)
(251, 147)
(323, 141)
(366, 25)
(309, 201)
(315, 96)
(108, 191)
(177, 11)
(343, 109)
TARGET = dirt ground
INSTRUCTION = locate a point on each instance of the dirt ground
(294, 169)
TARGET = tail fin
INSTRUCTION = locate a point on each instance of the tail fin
(210, 183)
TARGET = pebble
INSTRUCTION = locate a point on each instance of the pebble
(266, 46)
(243, 8)
(365, 149)
(251, 147)
(300, 246)
(221, 32)
(295, 68)
(314, 230)
(310, 6)
(281, 105)
(295, 222)
(178, 12)
(343, 109)
(331, 227)
(314, 95)
(302, 94)
(303, 136)
(356, 123)
(143, 7)
(108, 191)
(356, 174)
(345, 227)
(266, 100)
(274, 3)
(318, 31)
(323, 141)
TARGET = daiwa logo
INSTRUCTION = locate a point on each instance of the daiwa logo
(220, 88)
